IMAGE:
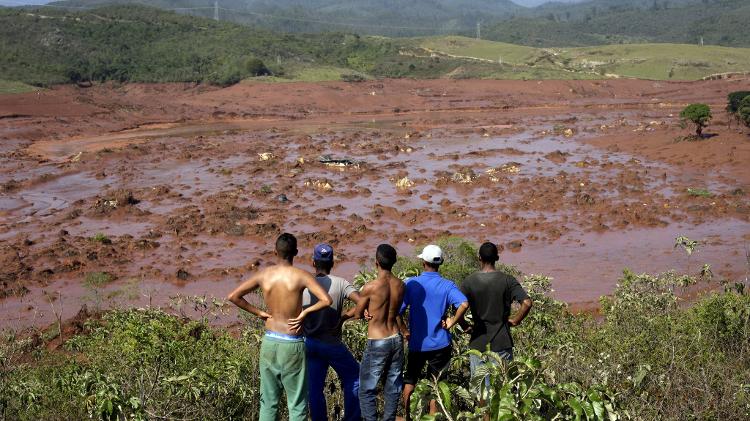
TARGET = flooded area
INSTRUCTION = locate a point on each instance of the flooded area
(576, 180)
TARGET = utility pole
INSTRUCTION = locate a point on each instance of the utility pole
(479, 30)
(701, 40)
(216, 11)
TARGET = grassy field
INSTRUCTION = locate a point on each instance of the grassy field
(11, 87)
(663, 61)
(308, 73)
(646, 61)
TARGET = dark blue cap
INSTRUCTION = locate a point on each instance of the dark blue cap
(323, 252)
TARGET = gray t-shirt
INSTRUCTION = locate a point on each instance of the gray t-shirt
(490, 296)
(324, 325)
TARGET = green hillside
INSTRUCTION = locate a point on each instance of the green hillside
(595, 22)
(647, 61)
(129, 43)
(718, 22)
(140, 44)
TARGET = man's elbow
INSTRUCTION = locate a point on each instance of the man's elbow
(327, 300)
(528, 303)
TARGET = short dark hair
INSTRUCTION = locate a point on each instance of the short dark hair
(323, 265)
(286, 246)
(433, 265)
(488, 253)
(386, 256)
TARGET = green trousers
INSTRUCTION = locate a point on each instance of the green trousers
(282, 368)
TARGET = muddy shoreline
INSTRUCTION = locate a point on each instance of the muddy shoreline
(187, 185)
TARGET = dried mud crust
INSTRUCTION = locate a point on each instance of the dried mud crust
(191, 183)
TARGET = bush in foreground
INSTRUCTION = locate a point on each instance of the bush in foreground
(648, 357)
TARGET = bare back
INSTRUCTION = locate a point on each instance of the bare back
(282, 291)
(384, 297)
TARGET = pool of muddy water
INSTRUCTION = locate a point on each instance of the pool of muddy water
(211, 205)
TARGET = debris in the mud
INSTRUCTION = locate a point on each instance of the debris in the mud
(282, 198)
(464, 176)
(12, 269)
(265, 156)
(76, 157)
(404, 183)
(267, 229)
(738, 192)
(319, 184)
(10, 185)
(557, 156)
(510, 168)
(562, 130)
(514, 245)
(183, 274)
(146, 244)
(114, 199)
(331, 161)
(585, 199)
(152, 234)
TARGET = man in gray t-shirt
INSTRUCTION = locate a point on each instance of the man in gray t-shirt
(323, 340)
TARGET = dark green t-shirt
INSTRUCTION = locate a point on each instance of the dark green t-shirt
(490, 295)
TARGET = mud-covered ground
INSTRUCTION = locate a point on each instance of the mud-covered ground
(138, 193)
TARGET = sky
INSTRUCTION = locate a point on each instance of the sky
(22, 2)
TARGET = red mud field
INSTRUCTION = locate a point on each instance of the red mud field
(191, 184)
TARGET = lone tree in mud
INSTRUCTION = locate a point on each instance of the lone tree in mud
(698, 115)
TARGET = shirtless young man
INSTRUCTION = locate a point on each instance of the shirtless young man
(282, 354)
(385, 348)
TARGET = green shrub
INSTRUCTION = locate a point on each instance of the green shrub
(101, 238)
(256, 67)
(734, 99)
(648, 357)
(140, 364)
(743, 112)
(698, 115)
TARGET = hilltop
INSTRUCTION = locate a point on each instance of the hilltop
(554, 24)
(140, 44)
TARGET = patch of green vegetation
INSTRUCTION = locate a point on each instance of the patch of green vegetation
(147, 45)
(637, 362)
(101, 238)
(11, 87)
(98, 279)
(645, 61)
(697, 192)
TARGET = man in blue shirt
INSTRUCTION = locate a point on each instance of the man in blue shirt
(428, 297)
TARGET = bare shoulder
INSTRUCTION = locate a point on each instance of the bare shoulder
(300, 275)
(367, 289)
(395, 281)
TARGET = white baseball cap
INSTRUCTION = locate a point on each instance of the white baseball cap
(432, 254)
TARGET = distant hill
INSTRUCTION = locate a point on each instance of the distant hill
(555, 24)
(142, 44)
(717, 22)
(377, 17)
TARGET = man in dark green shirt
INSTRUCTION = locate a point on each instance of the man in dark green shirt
(490, 294)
